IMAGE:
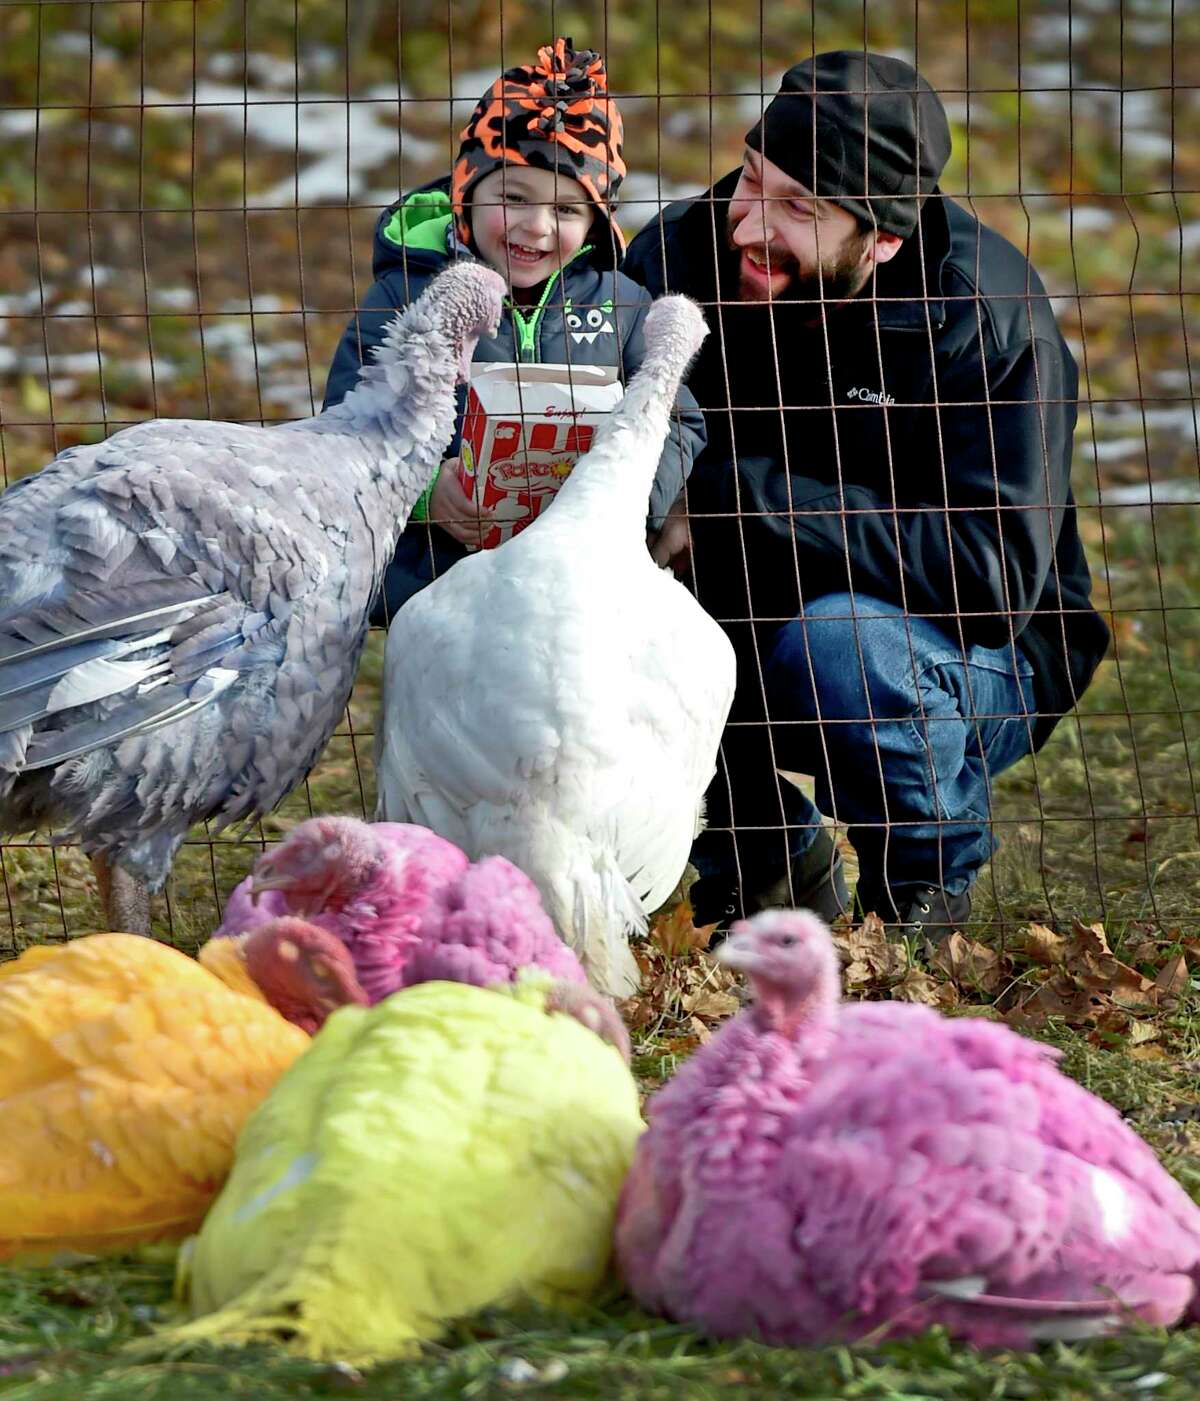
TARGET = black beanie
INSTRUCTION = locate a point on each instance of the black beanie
(861, 129)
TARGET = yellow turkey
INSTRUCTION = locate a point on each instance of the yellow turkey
(449, 1149)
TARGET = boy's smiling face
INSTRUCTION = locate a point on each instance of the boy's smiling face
(527, 222)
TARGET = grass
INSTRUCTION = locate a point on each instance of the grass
(61, 1333)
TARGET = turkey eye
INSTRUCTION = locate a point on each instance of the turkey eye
(594, 317)
(787, 940)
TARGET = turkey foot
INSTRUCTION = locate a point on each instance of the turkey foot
(125, 899)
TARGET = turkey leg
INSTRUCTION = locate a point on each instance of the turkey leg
(125, 899)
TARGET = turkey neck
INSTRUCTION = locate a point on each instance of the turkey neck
(611, 483)
(400, 416)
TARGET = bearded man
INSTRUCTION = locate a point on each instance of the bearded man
(883, 517)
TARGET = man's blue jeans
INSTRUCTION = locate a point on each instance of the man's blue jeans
(901, 732)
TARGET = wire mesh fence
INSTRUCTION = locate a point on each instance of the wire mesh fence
(188, 193)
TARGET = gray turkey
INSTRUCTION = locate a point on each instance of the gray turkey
(183, 606)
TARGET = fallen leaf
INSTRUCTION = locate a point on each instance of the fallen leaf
(1115, 1020)
(1130, 989)
(1174, 980)
(867, 947)
(1040, 944)
(855, 973)
(675, 932)
(918, 986)
(968, 963)
(1062, 997)
(1141, 1032)
(1148, 1052)
(948, 998)
(1140, 950)
(711, 1005)
(1088, 946)
(1095, 967)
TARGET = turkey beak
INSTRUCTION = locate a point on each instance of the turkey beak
(739, 952)
(260, 884)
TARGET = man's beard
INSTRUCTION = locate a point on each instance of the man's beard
(837, 278)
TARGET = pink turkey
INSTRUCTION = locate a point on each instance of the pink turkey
(371, 884)
(392, 891)
(820, 1171)
(485, 927)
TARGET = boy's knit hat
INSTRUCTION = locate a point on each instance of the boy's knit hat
(555, 114)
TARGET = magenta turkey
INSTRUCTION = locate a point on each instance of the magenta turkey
(819, 1172)
(406, 903)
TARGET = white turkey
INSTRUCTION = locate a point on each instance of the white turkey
(559, 700)
(182, 607)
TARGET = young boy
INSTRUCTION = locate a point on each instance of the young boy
(529, 195)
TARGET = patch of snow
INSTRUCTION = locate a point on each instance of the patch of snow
(1139, 109)
(345, 139)
(176, 298)
(81, 45)
(159, 371)
(295, 396)
(17, 123)
(1147, 145)
(24, 303)
(1091, 218)
(1179, 492)
(1059, 29)
(1147, 32)
(1122, 418)
(1173, 379)
(265, 69)
(1054, 74)
(750, 105)
(643, 195)
(1113, 450)
(82, 362)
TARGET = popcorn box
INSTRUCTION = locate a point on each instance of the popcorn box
(524, 429)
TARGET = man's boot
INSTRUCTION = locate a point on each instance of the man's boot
(915, 909)
(818, 883)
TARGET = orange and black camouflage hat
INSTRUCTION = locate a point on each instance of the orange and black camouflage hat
(555, 114)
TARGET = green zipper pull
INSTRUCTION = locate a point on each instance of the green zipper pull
(527, 330)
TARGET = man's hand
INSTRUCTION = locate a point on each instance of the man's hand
(456, 512)
(671, 547)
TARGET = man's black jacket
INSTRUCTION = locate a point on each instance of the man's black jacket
(922, 454)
